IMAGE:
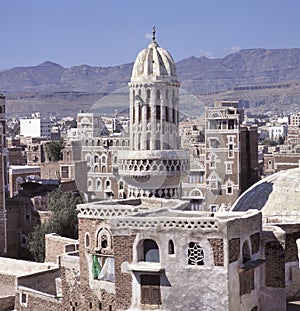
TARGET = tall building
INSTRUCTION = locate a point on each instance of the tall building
(231, 154)
(36, 126)
(155, 164)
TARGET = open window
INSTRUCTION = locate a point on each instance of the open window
(150, 251)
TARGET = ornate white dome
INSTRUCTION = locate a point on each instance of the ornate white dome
(153, 64)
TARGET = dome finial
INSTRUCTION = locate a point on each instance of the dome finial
(153, 33)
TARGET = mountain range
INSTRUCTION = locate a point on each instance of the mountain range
(264, 79)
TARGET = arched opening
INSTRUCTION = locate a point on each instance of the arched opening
(150, 251)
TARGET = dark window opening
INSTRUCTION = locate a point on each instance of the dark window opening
(171, 248)
(104, 242)
(157, 112)
(151, 251)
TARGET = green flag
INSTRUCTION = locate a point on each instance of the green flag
(96, 268)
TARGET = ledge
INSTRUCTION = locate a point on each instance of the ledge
(146, 267)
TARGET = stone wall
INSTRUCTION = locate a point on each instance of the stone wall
(56, 245)
(275, 265)
(41, 281)
(33, 301)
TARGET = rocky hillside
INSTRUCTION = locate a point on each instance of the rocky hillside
(250, 75)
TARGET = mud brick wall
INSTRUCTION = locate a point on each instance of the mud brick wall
(291, 247)
(234, 249)
(218, 251)
(275, 265)
(123, 245)
(37, 302)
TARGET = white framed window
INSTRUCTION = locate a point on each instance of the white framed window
(212, 161)
(213, 142)
(229, 187)
(228, 167)
(213, 208)
(23, 299)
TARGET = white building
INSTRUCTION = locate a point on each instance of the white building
(36, 126)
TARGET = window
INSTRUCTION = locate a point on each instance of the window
(87, 240)
(150, 251)
(65, 172)
(213, 143)
(171, 249)
(195, 254)
(228, 168)
(213, 208)
(229, 189)
(99, 184)
(230, 151)
(23, 299)
(150, 289)
(212, 162)
(214, 185)
(90, 184)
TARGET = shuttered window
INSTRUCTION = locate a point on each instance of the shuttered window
(150, 289)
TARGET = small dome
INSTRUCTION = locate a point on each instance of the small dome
(276, 196)
(154, 63)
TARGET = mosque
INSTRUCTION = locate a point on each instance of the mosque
(151, 251)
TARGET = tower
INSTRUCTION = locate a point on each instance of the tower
(231, 154)
(155, 164)
(3, 177)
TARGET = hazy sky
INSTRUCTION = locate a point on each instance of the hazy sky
(109, 33)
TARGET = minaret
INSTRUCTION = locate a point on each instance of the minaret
(155, 164)
(3, 220)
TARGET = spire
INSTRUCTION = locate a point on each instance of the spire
(153, 33)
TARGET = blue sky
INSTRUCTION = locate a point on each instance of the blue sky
(109, 33)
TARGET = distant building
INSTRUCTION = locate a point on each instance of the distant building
(295, 119)
(90, 124)
(36, 126)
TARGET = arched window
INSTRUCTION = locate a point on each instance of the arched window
(104, 240)
(171, 249)
(107, 184)
(99, 184)
(90, 184)
(195, 254)
(150, 251)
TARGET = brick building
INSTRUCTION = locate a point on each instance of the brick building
(231, 164)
